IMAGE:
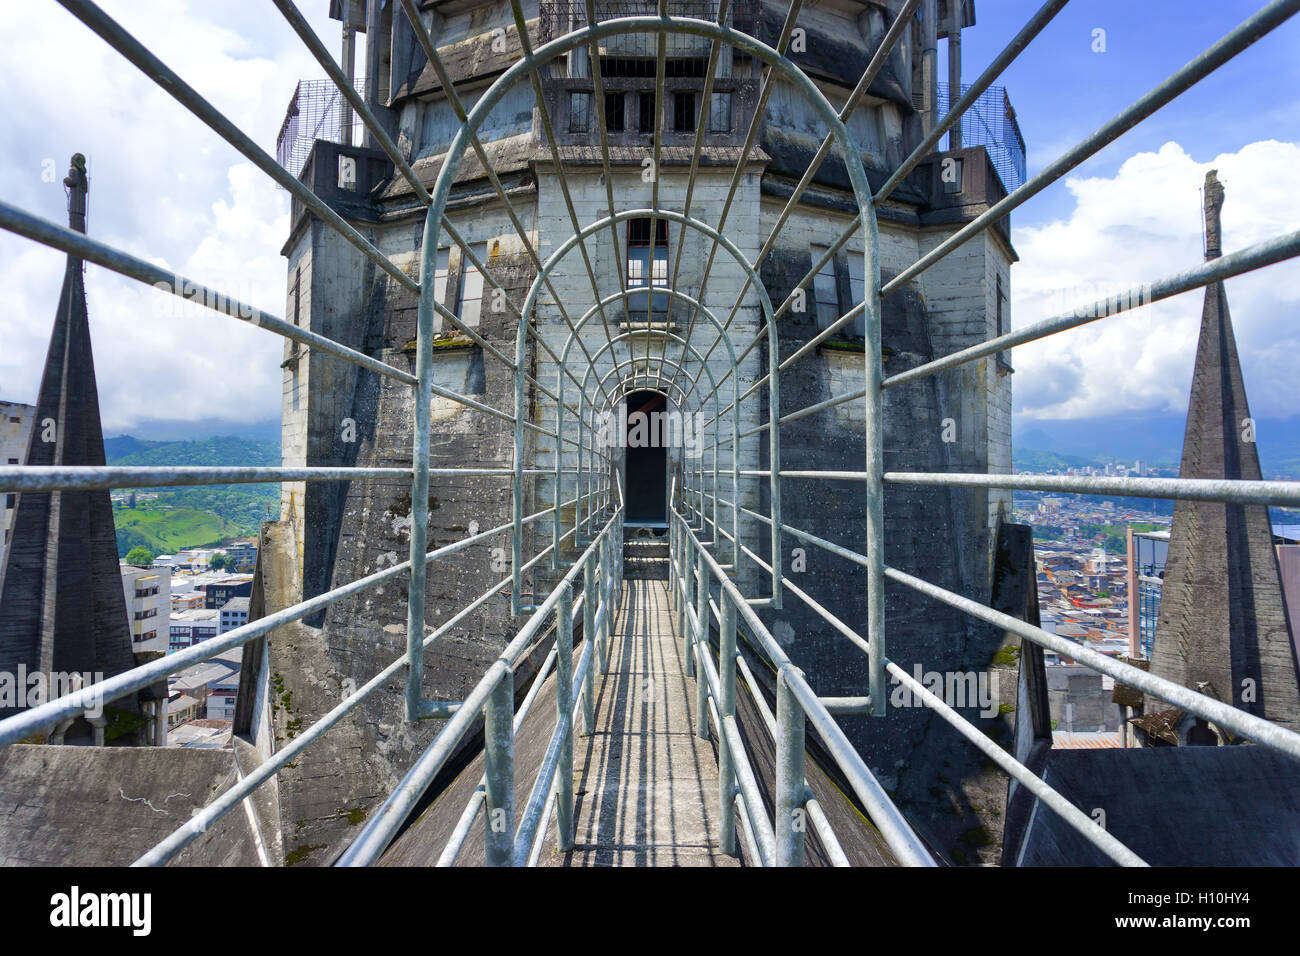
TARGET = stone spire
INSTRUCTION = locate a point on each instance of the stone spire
(62, 609)
(1222, 617)
(1213, 205)
(77, 186)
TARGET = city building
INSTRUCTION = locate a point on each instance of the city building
(1148, 552)
(15, 434)
(216, 593)
(191, 627)
(214, 683)
(234, 613)
(148, 594)
(241, 556)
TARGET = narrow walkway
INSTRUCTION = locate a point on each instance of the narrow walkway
(645, 787)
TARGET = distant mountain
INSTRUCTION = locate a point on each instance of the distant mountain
(160, 430)
(191, 516)
(1156, 439)
(1037, 440)
(122, 445)
(218, 450)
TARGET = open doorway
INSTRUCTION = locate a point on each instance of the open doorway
(647, 462)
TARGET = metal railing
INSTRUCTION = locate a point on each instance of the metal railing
(586, 528)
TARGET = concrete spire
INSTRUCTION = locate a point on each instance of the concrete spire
(61, 608)
(1222, 617)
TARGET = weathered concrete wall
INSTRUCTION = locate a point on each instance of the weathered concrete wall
(105, 806)
(313, 668)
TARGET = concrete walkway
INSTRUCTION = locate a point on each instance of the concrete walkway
(645, 787)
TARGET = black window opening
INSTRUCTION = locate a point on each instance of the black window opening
(644, 67)
(615, 112)
(645, 112)
(647, 266)
(646, 462)
(685, 112)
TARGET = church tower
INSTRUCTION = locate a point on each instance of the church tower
(1223, 627)
(62, 612)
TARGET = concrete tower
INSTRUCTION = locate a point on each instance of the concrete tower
(62, 612)
(1223, 625)
(956, 421)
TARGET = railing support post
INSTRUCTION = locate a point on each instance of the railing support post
(499, 771)
(688, 598)
(423, 416)
(791, 818)
(701, 623)
(726, 708)
(688, 632)
(607, 602)
(589, 600)
(672, 564)
(564, 717)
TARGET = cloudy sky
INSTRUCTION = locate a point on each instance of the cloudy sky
(1132, 213)
(163, 187)
(166, 188)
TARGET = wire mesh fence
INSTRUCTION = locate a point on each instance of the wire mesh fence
(991, 122)
(316, 111)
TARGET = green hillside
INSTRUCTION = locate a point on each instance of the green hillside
(200, 515)
(166, 530)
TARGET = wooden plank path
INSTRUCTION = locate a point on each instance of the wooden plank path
(645, 787)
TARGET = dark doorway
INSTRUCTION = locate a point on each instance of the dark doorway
(647, 463)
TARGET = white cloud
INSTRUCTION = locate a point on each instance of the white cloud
(1142, 224)
(163, 187)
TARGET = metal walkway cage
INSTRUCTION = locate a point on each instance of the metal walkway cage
(719, 576)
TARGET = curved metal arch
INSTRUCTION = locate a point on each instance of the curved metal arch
(774, 480)
(530, 304)
(534, 289)
(672, 293)
(717, 401)
(773, 358)
(657, 386)
(871, 314)
(608, 346)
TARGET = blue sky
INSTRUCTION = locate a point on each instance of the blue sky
(1132, 212)
(1062, 91)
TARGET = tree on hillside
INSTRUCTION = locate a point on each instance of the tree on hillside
(218, 561)
(139, 556)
